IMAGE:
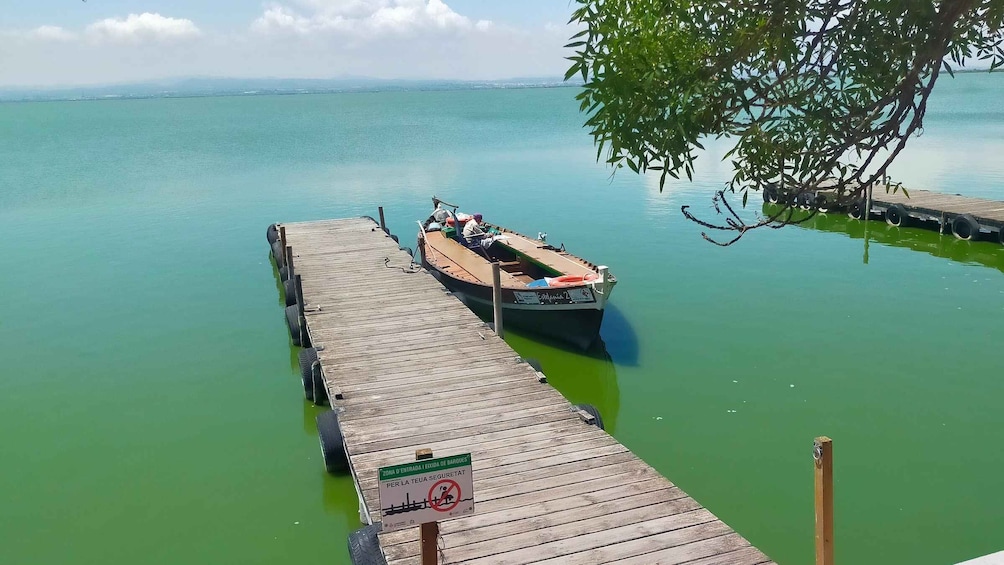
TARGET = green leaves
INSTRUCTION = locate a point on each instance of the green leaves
(810, 91)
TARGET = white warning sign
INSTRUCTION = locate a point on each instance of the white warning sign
(424, 491)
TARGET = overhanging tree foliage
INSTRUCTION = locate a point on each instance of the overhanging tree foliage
(812, 92)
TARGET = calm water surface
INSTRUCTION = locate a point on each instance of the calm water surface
(149, 401)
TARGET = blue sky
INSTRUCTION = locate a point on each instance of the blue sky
(68, 42)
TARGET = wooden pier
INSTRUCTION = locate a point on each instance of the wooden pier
(407, 366)
(965, 217)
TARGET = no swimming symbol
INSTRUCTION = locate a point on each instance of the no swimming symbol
(444, 495)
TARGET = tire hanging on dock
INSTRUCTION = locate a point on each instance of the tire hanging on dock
(293, 323)
(856, 210)
(329, 433)
(272, 234)
(896, 215)
(319, 393)
(770, 194)
(289, 291)
(283, 274)
(592, 411)
(278, 255)
(966, 228)
(364, 547)
(532, 362)
(307, 358)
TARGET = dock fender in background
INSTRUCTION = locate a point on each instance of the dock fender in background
(592, 411)
(272, 234)
(329, 432)
(965, 227)
(395, 238)
(896, 215)
(857, 209)
(283, 274)
(770, 193)
(364, 547)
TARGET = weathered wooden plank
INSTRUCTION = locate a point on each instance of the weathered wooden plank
(678, 529)
(419, 440)
(648, 551)
(540, 516)
(530, 533)
(433, 426)
(490, 514)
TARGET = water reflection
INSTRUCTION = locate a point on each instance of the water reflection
(584, 377)
(984, 253)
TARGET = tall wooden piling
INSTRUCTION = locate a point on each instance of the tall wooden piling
(822, 454)
(430, 531)
(497, 297)
(383, 222)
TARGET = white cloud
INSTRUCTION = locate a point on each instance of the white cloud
(142, 27)
(366, 18)
(52, 33)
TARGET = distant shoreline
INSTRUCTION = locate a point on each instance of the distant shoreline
(211, 88)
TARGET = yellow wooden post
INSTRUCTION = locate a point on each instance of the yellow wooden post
(822, 454)
(429, 532)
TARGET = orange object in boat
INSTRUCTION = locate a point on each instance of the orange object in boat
(568, 280)
(450, 221)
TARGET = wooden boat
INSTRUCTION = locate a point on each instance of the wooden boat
(545, 289)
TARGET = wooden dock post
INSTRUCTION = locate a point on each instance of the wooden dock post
(430, 531)
(868, 203)
(497, 297)
(383, 222)
(282, 236)
(822, 454)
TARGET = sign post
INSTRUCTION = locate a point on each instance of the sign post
(423, 493)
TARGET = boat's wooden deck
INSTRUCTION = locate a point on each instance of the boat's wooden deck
(415, 369)
(466, 264)
(463, 263)
(564, 263)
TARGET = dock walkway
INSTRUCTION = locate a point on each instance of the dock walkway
(409, 367)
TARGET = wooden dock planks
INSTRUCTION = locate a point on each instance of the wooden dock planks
(417, 369)
(934, 203)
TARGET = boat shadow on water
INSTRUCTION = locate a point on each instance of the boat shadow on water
(585, 376)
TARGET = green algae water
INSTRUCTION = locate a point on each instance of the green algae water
(149, 404)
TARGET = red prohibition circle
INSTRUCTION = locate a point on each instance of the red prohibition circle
(448, 499)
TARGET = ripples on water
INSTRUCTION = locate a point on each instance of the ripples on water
(149, 377)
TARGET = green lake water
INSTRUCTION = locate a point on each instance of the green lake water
(149, 404)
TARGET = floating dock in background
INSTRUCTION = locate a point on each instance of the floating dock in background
(407, 366)
(966, 217)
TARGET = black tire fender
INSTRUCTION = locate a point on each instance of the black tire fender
(856, 210)
(364, 547)
(770, 194)
(329, 433)
(592, 411)
(278, 255)
(319, 393)
(965, 227)
(533, 363)
(289, 291)
(272, 234)
(896, 215)
(293, 323)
